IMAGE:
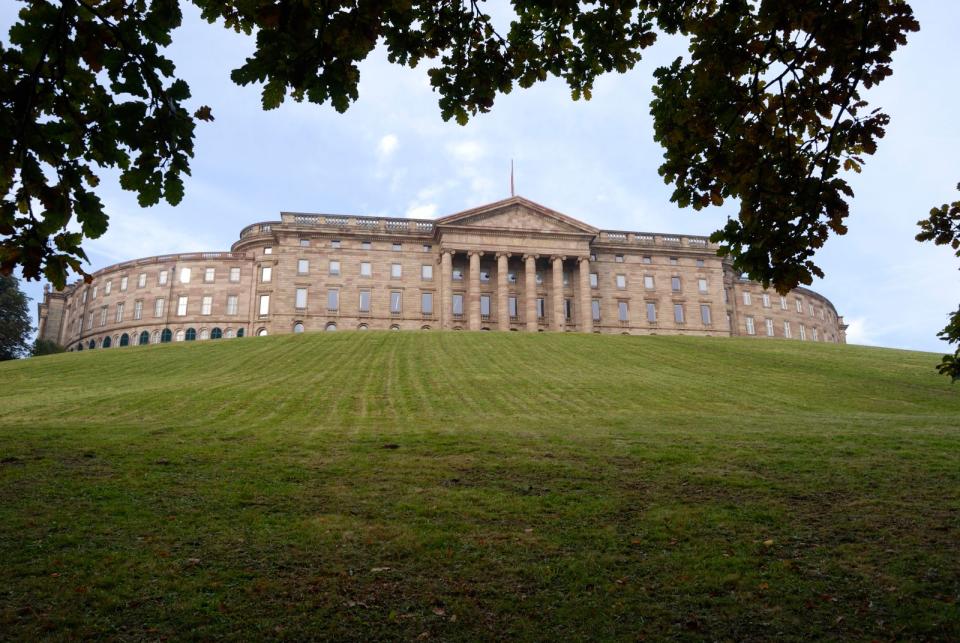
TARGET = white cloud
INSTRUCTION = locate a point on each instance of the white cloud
(469, 151)
(858, 332)
(422, 211)
(387, 146)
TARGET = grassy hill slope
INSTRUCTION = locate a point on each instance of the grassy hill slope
(480, 485)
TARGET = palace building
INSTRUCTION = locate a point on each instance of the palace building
(510, 265)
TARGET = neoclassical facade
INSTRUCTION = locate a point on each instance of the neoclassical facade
(510, 265)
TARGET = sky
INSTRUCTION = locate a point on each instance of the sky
(391, 154)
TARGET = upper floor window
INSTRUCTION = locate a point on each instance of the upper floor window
(786, 330)
(158, 307)
(300, 299)
(396, 270)
(427, 247)
(618, 258)
(138, 309)
(593, 256)
(647, 259)
(750, 329)
(119, 316)
(141, 280)
(181, 305)
(303, 266)
(678, 313)
(457, 304)
(107, 287)
(783, 303)
(268, 250)
(595, 309)
(396, 300)
(304, 243)
(511, 277)
(162, 277)
(264, 308)
(397, 247)
(184, 275)
(769, 323)
(366, 270)
(83, 299)
(621, 281)
(485, 305)
(335, 244)
(766, 300)
(541, 308)
(512, 307)
(232, 306)
(484, 275)
(651, 312)
(333, 299)
(700, 263)
(705, 315)
(623, 311)
(426, 271)
(206, 305)
(334, 267)
(803, 332)
(234, 275)
(675, 284)
(702, 285)
(594, 280)
(209, 275)
(746, 298)
(364, 301)
(365, 245)
(538, 278)
(674, 261)
(426, 303)
(648, 282)
(266, 274)
(799, 305)
(93, 295)
(457, 274)
(123, 284)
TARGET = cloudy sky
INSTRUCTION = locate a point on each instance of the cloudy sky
(391, 154)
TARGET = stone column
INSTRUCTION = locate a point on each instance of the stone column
(530, 291)
(503, 306)
(558, 321)
(586, 307)
(446, 289)
(474, 294)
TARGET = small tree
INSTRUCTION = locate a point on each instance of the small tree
(943, 228)
(46, 347)
(15, 325)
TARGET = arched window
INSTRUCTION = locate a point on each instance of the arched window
(191, 334)
(124, 340)
(180, 335)
(80, 346)
(331, 326)
(425, 327)
(92, 345)
(239, 332)
(394, 327)
(216, 333)
(144, 338)
(298, 327)
(228, 333)
(362, 327)
(262, 332)
(106, 343)
(166, 336)
(204, 334)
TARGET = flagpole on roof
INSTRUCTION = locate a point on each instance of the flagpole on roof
(511, 177)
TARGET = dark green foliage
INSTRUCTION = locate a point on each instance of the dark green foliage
(46, 347)
(15, 325)
(943, 228)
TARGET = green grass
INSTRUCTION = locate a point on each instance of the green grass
(480, 486)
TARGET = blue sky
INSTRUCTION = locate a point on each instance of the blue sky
(391, 154)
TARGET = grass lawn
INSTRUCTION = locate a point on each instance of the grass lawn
(480, 486)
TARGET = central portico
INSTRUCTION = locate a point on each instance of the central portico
(524, 257)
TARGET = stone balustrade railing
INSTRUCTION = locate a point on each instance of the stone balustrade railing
(186, 256)
(652, 239)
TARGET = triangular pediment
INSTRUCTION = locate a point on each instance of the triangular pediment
(517, 213)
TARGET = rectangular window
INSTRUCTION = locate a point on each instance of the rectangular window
(699, 263)
(366, 270)
(623, 311)
(803, 332)
(702, 285)
(809, 305)
(458, 304)
(235, 275)
(335, 268)
(618, 258)
(673, 261)
(396, 299)
(799, 305)
(264, 305)
(750, 329)
(539, 278)
(675, 284)
(426, 271)
(512, 307)
(94, 295)
(366, 245)
(333, 299)
(786, 330)
(568, 309)
(648, 282)
(678, 313)
(396, 270)
(303, 266)
(181, 305)
(541, 308)
(162, 277)
(141, 280)
(123, 284)
(647, 259)
(364, 301)
(206, 305)
(268, 250)
(484, 305)
(594, 280)
(335, 244)
(304, 243)
(103, 315)
(397, 247)
(426, 303)
(816, 338)
(484, 275)
(232, 304)
(184, 275)
(427, 247)
(457, 274)
(90, 321)
(107, 288)
(746, 298)
(138, 309)
(158, 307)
(705, 315)
(621, 281)
(769, 328)
(783, 303)
(595, 309)
(511, 277)
(766, 300)
(651, 312)
(119, 317)
(266, 274)
(209, 275)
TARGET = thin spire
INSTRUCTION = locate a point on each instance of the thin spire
(511, 177)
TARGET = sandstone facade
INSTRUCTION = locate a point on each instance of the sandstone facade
(510, 265)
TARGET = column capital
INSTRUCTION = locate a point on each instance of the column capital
(504, 254)
(583, 259)
(558, 257)
(447, 251)
(478, 253)
(527, 257)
